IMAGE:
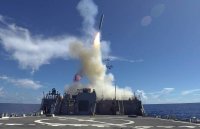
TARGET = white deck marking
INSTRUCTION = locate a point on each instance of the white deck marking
(14, 124)
(100, 125)
(5, 117)
(143, 127)
(191, 127)
(183, 122)
(167, 127)
(92, 122)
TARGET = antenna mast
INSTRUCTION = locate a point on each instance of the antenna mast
(115, 92)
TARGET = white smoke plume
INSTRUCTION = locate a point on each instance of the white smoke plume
(94, 69)
(34, 51)
(88, 10)
(90, 57)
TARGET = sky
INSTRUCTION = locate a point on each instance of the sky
(154, 47)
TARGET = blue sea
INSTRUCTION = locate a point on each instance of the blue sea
(175, 111)
(178, 111)
(19, 108)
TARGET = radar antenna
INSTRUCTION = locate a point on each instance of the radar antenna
(108, 65)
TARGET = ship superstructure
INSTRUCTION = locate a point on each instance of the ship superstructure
(85, 102)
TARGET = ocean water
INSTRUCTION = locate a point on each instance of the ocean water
(176, 111)
(19, 108)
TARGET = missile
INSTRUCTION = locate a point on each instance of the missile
(101, 22)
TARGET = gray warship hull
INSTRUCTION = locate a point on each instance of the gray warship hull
(85, 102)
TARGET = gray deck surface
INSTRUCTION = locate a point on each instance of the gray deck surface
(87, 122)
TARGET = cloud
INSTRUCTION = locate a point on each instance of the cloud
(24, 83)
(168, 95)
(33, 51)
(155, 97)
(1, 91)
(164, 91)
(188, 92)
(115, 58)
(142, 94)
(167, 90)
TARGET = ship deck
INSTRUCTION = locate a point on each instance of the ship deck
(88, 122)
